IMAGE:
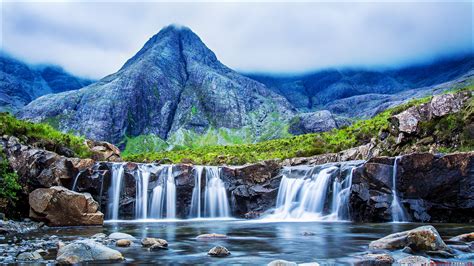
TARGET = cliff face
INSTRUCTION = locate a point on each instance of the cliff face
(173, 84)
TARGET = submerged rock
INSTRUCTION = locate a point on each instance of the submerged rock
(282, 263)
(29, 256)
(463, 238)
(150, 241)
(218, 251)
(118, 236)
(59, 206)
(376, 260)
(414, 260)
(123, 243)
(87, 250)
(424, 238)
(211, 236)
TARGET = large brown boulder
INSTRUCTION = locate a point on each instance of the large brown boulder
(58, 206)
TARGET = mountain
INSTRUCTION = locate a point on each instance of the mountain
(325, 89)
(21, 83)
(173, 88)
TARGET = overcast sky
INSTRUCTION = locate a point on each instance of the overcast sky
(95, 39)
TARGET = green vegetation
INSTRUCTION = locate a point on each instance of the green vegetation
(9, 185)
(303, 145)
(202, 149)
(42, 135)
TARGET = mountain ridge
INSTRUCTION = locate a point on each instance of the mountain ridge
(20, 83)
(174, 83)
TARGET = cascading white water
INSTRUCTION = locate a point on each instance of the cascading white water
(114, 191)
(161, 203)
(398, 213)
(304, 194)
(141, 205)
(170, 195)
(216, 203)
(195, 210)
(342, 201)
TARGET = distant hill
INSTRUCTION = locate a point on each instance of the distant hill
(21, 83)
(324, 89)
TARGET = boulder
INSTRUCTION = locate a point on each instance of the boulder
(375, 260)
(29, 256)
(282, 263)
(305, 123)
(150, 241)
(414, 260)
(424, 238)
(440, 105)
(118, 236)
(123, 243)
(212, 236)
(87, 250)
(59, 206)
(218, 251)
(104, 151)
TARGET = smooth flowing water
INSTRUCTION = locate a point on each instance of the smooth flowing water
(114, 191)
(398, 213)
(216, 203)
(251, 243)
(312, 193)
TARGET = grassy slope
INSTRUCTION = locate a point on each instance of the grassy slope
(42, 135)
(319, 143)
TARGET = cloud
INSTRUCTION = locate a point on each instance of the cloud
(95, 38)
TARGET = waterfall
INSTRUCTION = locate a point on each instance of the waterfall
(195, 210)
(305, 193)
(342, 202)
(156, 192)
(141, 205)
(398, 213)
(114, 191)
(216, 203)
(170, 194)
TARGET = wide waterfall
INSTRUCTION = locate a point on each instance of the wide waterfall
(314, 193)
(156, 193)
(398, 213)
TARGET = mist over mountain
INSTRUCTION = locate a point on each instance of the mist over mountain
(323, 89)
(21, 83)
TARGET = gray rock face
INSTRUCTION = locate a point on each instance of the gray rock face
(431, 188)
(441, 105)
(312, 122)
(173, 83)
(21, 83)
